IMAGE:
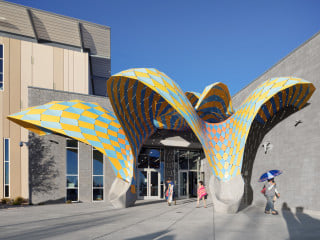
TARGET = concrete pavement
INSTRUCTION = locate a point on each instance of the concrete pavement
(153, 221)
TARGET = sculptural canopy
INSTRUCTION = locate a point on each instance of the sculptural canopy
(146, 99)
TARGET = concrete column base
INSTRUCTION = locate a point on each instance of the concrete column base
(226, 196)
(120, 194)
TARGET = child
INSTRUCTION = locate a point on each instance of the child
(202, 194)
(170, 192)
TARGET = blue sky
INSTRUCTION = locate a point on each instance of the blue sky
(197, 42)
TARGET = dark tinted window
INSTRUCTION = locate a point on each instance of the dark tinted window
(97, 163)
(143, 161)
(183, 159)
(72, 161)
(154, 158)
(194, 156)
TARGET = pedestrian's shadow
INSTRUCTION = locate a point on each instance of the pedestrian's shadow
(163, 235)
(300, 225)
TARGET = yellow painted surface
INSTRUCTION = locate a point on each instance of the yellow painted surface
(101, 124)
(50, 118)
(58, 107)
(90, 115)
(70, 115)
(102, 135)
(70, 127)
(91, 137)
(86, 125)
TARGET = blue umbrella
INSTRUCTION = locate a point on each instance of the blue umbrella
(269, 175)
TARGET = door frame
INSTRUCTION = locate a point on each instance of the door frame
(149, 170)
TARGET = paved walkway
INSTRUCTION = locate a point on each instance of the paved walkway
(152, 221)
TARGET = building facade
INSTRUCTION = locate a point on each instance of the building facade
(45, 50)
(125, 146)
(43, 62)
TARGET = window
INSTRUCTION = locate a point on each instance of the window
(149, 158)
(6, 158)
(72, 170)
(194, 157)
(183, 159)
(97, 175)
(1, 68)
(188, 160)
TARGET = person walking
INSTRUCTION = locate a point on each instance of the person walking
(170, 192)
(202, 194)
(271, 193)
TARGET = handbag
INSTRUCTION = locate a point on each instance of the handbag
(263, 191)
(206, 196)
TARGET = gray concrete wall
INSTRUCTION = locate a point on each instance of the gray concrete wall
(85, 172)
(296, 149)
(47, 156)
(47, 169)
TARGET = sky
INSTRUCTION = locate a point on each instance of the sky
(197, 43)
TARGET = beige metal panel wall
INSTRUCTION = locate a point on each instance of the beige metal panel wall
(15, 19)
(87, 74)
(26, 80)
(53, 28)
(76, 78)
(15, 131)
(42, 66)
(58, 66)
(26, 71)
(60, 69)
(71, 72)
(65, 70)
(80, 79)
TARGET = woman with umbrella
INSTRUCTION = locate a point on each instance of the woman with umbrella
(270, 190)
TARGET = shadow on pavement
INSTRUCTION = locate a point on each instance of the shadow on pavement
(178, 202)
(186, 201)
(300, 225)
(58, 228)
(156, 235)
(147, 202)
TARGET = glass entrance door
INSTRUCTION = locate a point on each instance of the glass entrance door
(183, 184)
(148, 184)
(142, 184)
